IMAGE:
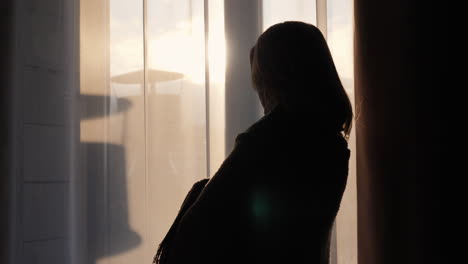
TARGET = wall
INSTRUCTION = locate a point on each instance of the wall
(42, 120)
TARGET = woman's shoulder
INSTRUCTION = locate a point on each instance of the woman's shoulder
(280, 126)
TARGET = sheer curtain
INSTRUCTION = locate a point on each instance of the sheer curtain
(164, 86)
(340, 38)
(143, 130)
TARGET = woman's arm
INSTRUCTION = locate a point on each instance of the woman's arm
(210, 227)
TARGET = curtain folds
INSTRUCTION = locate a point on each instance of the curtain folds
(398, 132)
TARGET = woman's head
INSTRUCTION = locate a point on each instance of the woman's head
(292, 66)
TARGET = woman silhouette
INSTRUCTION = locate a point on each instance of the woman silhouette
(275, 197)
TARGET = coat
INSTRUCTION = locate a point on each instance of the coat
(273, 200)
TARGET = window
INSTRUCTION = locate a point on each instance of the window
(154, 114)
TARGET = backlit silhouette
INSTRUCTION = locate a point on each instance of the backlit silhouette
(275, 197)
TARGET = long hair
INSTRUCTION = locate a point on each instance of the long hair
(292, 66)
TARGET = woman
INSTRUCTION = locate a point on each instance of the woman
(275, 197)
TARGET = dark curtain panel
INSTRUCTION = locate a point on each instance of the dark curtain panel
(398, 130)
